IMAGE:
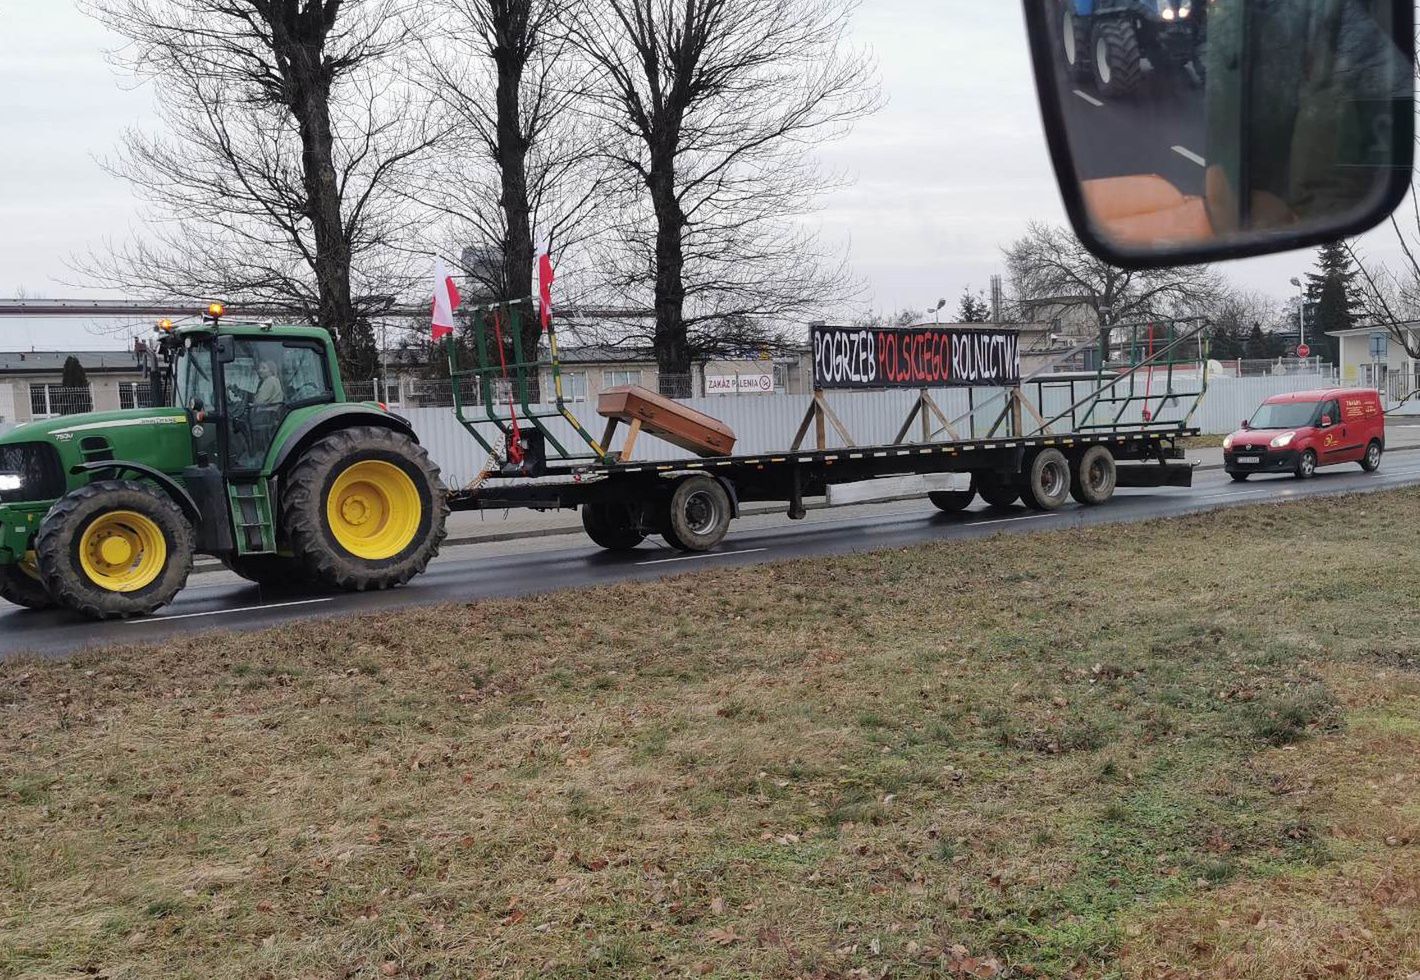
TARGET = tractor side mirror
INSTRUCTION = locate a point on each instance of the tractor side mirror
(1188, 131)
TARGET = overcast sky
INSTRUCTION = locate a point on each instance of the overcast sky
(950, 170)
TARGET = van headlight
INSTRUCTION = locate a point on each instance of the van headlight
(10, 482)
(1284, 440)
(1227, 442)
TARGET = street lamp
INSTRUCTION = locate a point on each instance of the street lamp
(936, 311)
(1301, 313)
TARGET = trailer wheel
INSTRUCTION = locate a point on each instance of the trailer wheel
(20, 583)
(364, 509)
(953, 501)
(610, 525)
(1047, 481)
(699, 515)
(998, 491)
(1093, 480)
(114, 549)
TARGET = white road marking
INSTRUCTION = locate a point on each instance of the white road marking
(1239, 493)
(714, 554)
(1188, 154)
(1007, 520)
(1090, 99)
(227, 612)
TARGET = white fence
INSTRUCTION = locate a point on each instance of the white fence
(767, 423)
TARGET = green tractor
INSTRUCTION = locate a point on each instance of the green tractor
(259, 461)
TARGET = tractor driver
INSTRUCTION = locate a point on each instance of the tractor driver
(269, 390)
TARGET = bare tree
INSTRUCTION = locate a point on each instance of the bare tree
(523, 166)
(1050, 265)
(715, 108)
(286, 128)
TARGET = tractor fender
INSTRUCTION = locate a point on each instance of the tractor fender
(1082, 8)
(169, 486)
(328, 421)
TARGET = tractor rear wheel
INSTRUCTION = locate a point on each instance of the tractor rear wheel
(114, 549)
(1117, 60)
(364, 509)
(610, 524)
(1075, 40)
(275, 572)
(20, 583)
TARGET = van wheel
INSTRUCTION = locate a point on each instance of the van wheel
(699, 515)
(1372, 460)
(1047, 481)
(1306, 465)
(1093, 481)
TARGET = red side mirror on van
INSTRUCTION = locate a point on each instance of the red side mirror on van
(1246, 425)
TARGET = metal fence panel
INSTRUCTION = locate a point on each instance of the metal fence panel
(767, 423)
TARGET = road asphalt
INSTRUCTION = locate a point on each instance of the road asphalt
(527, 564)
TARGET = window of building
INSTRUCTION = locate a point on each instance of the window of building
(620, 379)
(48, 400)
(781, 378)
(574, 386)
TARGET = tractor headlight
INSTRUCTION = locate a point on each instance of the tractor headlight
(10, 482)
(1185, 8)
(1166, 9)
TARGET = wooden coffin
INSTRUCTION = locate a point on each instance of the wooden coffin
(665, 419)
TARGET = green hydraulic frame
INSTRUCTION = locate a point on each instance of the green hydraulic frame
(502, 322)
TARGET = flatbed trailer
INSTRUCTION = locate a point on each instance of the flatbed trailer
(691, 502)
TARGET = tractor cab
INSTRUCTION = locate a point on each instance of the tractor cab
(240, 383)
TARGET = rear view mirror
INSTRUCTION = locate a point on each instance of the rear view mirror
(1246, 424)
(1326, 421)
(1191, 130)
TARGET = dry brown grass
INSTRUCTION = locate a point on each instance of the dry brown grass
(1069, 754)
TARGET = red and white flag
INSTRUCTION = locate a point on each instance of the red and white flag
(446, 300)
(545, 278)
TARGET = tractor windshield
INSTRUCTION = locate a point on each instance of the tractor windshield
(194, 376)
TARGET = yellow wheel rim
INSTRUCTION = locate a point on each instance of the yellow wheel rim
(123, 551)
(374, 510)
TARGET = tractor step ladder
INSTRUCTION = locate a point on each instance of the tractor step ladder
(252, 518)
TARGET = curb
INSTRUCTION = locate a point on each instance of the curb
(206, 565)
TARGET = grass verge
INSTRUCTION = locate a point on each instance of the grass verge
(1187, 748)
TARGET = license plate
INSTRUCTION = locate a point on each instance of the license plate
(1249, 460)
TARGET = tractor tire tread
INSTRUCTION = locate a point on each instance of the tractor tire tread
(303, 510)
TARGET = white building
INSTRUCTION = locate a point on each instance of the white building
(1373, 357)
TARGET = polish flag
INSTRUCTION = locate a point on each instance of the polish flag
(446, 300)
(545, 278)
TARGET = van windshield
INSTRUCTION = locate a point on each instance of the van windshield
(1284, 415)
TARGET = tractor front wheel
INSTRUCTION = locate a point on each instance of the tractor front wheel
(114, 549)
(20, 583)
(1117, 60)
(1075, 41)
(364, 509)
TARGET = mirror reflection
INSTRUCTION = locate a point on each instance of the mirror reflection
(1194, 123)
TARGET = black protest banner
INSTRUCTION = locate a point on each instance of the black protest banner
(917, 357)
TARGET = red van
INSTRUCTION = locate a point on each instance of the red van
(1298, 432)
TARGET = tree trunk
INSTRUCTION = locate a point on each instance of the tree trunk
(518, 249)
(672, 346)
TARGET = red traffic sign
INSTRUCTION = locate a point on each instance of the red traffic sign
(1304, 351)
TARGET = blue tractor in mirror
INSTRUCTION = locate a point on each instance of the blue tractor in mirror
(1111, 41)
